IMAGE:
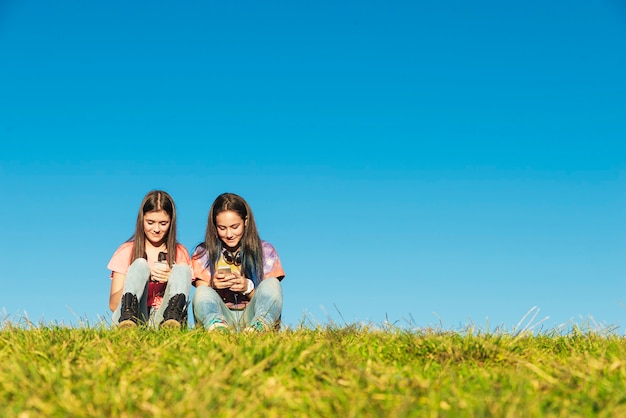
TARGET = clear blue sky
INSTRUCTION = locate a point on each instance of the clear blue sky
(426, 163)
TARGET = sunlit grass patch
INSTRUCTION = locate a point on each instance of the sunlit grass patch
(327, 370)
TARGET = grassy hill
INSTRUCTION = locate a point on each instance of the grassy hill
(349, 371)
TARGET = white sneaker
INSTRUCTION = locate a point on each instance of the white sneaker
(218, 325)
(257, 326)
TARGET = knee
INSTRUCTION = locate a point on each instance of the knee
(140, 262)
(271, 283)
(140, 265)
(181, 272)
(204, 294)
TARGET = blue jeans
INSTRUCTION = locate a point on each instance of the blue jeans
(266, 305)
(136, 282)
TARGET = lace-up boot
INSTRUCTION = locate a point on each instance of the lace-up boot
(175, 315)
(129, 311)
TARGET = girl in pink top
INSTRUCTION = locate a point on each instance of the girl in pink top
(151, 273)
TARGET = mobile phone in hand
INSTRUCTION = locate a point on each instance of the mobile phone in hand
(161, 262)
(160, 265)
(224, 270)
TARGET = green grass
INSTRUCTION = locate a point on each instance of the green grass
(348, 371)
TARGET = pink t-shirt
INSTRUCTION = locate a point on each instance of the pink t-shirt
(121, 260)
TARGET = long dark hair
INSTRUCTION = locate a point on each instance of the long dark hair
(250, 244)
(155, 200)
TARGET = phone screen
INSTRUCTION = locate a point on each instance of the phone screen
(224, 270)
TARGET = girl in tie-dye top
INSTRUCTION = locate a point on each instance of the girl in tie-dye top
(236, 274)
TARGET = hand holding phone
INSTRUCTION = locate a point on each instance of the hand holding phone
(159, 272)
(222, 277)
(162, 266)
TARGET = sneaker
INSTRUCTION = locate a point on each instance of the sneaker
(257, 326)
(218, 325)
(175, 314)
(129, 311)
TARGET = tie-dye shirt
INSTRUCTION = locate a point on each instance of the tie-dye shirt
(235, 300)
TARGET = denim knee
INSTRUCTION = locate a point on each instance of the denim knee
(139, 267)
(270, 286)
(205, 295)
(180, 279)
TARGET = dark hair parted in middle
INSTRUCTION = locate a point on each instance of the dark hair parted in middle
(250, 245)
(155, 200)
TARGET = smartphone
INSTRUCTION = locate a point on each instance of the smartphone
(224, 270)
(161, 265)
(161, 262)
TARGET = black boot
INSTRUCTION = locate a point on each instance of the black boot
(175, 315)
(129, 312)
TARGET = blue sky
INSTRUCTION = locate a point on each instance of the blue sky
(425, 163)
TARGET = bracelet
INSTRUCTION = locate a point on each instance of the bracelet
(250, 288)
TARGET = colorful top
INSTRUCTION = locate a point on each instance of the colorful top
(235, 300)
(121, 260)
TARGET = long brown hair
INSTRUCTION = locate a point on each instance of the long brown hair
(250, 245)
(155, 200)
